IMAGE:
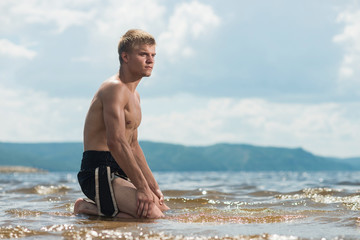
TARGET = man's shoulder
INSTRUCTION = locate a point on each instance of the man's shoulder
(112, 85)
(112, 82)
(112, 89)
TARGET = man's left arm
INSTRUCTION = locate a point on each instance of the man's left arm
(141, 160)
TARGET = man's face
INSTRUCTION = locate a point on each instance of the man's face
(141, 60)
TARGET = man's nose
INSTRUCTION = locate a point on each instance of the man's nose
(150, 59)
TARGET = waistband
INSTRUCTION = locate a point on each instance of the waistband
(93, 159)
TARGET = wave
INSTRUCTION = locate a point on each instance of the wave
(22, 169)
(23, 213)
(238, 216)
(348, 183)
(326, 196)
(221, 219)
(18, 232)
(42, 190)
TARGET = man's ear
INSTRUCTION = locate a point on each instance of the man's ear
(125, 57)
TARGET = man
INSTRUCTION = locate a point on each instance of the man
(114, 172)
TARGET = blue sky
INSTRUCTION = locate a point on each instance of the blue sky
(271, 73)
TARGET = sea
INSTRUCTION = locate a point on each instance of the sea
(204, 205)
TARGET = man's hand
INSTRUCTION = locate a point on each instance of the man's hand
(159, 194)
(144, 200)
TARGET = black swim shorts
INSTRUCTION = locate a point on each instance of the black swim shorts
(98, 169)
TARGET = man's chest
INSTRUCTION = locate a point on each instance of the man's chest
(132, 114)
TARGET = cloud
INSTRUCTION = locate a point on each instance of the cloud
(29, 116)
(118, 16)
(64, 14)
(85, 59)
(174, 30)
(106, 21)
(349, 39)
(190, 21)
(105, 17)
(10, 49)
(328, 129)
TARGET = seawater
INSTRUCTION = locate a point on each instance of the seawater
(204, 205)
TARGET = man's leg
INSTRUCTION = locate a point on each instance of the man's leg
(125, 195)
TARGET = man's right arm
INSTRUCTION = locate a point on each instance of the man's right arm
(114, 100)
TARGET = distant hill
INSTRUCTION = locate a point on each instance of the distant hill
(239, 157)
(172, 157)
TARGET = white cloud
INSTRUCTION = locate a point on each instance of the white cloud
(82, 59)
(115, 18)
(107, 18)
(118, 16)
(349, 71)
(189, 21)
(28, 116)
(106, 21)
(328, 129)
(11, 49)
(15, 15)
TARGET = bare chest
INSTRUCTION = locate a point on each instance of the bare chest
(132, 114)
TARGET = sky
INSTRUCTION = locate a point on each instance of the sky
(281, 73)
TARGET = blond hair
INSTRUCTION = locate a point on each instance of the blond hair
(133, 38)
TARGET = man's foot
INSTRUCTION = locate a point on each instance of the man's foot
(83, 207)
(164, 207)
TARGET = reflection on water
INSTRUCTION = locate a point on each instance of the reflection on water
(242, 205)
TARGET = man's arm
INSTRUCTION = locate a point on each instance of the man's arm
(141, 160)
(114, 100)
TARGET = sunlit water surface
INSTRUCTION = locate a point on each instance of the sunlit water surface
(204, 205)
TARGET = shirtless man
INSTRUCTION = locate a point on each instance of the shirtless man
(114, 173)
